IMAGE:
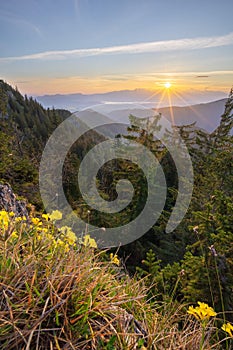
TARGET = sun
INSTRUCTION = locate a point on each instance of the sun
(167, 85)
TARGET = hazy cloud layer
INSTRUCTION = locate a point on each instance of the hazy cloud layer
(156, 46)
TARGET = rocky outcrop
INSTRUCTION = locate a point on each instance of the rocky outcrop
(9, 202)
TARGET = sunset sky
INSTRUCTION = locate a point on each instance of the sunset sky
(67, 46)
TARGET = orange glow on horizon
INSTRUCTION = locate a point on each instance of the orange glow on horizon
(102, 84)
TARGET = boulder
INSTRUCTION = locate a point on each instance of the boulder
(9, 202)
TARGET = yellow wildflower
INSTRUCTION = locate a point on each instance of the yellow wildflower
(14, 235)
(114, 259)
(45, 216)
(36, 221)
(202, 312)
(55, 215)
(89, 242)
(70, 236)
(4, 218)
(49, 236)
(39, 237)
(65, 246)
(11, 214)
(227, 327)
(60, 242)
(18, 219)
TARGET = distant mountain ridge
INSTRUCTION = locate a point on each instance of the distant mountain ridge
(206, 113)
(151, 99)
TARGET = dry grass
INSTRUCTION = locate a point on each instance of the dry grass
(77, 299)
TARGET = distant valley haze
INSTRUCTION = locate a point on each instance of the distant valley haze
(203, 107)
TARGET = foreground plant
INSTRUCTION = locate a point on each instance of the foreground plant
(227, 327)
(57, 291)
(60, 292)
(202, 313)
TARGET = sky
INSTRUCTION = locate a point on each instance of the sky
(89, 46)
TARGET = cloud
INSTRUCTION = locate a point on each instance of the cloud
(202, 76)
(146, 47)
(185, 74)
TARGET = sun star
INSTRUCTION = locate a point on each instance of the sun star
(167, 85)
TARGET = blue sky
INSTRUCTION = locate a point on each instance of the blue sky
(63, 46)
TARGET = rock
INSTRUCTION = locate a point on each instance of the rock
(9, 202)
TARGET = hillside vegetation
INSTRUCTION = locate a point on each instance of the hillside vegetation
(163, 291)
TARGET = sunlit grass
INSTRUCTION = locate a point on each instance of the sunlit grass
(58, 292)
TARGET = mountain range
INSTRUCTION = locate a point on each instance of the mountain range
(206, 115)
(119, 104)
(77, 101)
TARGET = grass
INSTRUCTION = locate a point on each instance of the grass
(58, 293)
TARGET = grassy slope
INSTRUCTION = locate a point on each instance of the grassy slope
(58, 293)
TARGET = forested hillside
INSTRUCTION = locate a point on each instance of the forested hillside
(192, 263)
(24, 129)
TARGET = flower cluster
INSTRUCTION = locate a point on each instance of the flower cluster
(42, 230)
(68, 235)
(8, 225)
(64, 238)
(202, 312)
(5, 218)
(114, 259)
(54, 216)
(87, 241)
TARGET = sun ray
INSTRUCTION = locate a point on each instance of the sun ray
(154, 94)
(171, 108)
(190, 106)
